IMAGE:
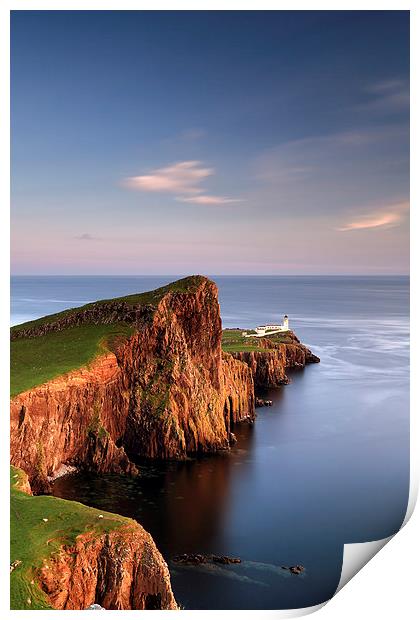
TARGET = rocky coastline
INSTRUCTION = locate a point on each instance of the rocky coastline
(166, 391)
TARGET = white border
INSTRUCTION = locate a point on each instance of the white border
(398, 579)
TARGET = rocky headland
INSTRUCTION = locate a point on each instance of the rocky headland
(270, 357)
(67, 556)
(147, 376)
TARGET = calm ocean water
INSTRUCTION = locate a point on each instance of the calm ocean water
(328, 464)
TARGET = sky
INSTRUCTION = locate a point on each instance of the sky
(211, 142)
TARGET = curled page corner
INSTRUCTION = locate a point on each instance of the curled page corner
(356, 555)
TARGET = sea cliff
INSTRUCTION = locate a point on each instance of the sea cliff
(269, 358)
(165, 390)
(99, 387)
(67, 556)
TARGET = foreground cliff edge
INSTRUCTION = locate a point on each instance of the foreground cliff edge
(67, 556)
(100, 386)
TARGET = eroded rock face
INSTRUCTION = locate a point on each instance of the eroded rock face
(269, 366)
(167, 391)
(119, 570)
(72, 419)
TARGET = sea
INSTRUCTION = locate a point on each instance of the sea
(327, 464)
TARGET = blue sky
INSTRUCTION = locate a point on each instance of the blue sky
(210, 142)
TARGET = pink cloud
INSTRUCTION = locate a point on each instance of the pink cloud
(208, 200)
(183, 177)
(388, 218)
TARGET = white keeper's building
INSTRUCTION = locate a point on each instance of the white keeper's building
(268, 330)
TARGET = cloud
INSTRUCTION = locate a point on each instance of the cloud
(389, 96)
(208, 200)
(388, 218)
(183, 177)
(193, 134)
(333, 174)
(386, 86)
(87, 237)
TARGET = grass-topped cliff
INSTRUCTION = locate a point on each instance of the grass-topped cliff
(148, 298)
(64, 555)
(164, 391)
(34, 361)
(56, 344)
(39, 526)
(233, 341)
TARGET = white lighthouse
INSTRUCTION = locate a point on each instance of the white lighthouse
(269, 330)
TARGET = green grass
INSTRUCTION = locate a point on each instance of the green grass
(34, 361)
(185, 285)
(233, 341)
(34, 542)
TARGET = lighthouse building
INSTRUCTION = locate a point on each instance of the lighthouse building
(268, 330)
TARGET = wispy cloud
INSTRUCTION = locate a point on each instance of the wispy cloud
(208, 200)
(87, 237)
(332, 174)
(389, 217)
(178, 179)
(387, 96)
(183, 177)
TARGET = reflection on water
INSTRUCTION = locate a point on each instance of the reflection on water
(183, 504)
(327, 464)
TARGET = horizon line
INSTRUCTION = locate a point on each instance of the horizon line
(219, 275)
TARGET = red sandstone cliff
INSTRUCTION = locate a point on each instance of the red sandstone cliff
(121, 569)
(166, 392)
(269, 366)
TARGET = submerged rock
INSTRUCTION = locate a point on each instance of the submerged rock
(261, 402)
(295, 570)
(198, 558)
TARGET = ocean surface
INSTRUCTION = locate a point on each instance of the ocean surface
(327, 464)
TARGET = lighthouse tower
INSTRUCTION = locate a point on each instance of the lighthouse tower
(286, 322)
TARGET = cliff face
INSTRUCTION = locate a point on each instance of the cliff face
(166, 392)
(72, 419)
(238, 396)
(121, 569)
(111, 560)
(268, 367)
(270, 364)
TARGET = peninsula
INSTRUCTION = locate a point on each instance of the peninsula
(97, 388)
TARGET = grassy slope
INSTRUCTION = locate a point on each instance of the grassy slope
(34, 361)
(37, 360)
(185, 285)
(34, 541)
(233, 341)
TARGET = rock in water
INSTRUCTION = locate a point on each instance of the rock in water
(198, 558)
(295, 570)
